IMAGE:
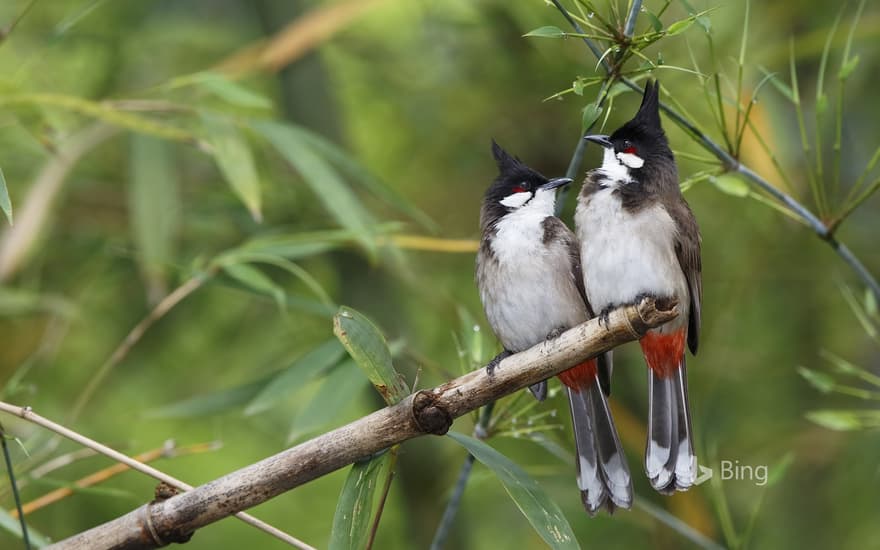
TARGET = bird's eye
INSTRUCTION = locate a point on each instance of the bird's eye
(519, 189)
(629, 148)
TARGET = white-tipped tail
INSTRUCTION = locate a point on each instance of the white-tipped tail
(603, 473)
(670, 462)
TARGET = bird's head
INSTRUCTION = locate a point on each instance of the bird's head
(640, 146)
(518, 186)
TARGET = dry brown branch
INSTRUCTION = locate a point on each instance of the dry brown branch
(432, 411)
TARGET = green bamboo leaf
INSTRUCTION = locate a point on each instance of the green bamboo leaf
(844, 420)
(547, 32)
(231, 92)
(5, 203)
(102, 111)
(366, 345)
(679, 26)
(778, 470)
(818, 380)
(544, 514)
(235, 161)
(731, 184)
(656, 24)
(354, 509)
(20, 301)
(12, 526)
(294, 246)
(257, 281)
(283, 263)
(361, 175)
(861, 314)
(843, 366)
(823, 61)
(337, 391)
(704, 22)
(780, 86)
(154, 207)
(590, 115)
(617, 89)
(848, 68)
(870, 303)
(293, 377)
(320, 175)
(212, 403)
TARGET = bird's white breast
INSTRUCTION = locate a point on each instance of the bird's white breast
(530, 291)
(626, 254)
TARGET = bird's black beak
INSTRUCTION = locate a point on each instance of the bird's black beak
(557, 182)
(601, 140)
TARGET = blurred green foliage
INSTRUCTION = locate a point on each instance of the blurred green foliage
(154, 146)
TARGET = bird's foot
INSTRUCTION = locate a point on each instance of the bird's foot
(490, 368)
(604, 315)
(663, 303)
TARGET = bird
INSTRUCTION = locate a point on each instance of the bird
(638, 237)
(528, 272)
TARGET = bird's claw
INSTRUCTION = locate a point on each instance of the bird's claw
(490, 367)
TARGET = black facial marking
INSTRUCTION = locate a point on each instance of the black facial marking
(512, 173)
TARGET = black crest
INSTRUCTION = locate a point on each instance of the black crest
(645, 130)
(512, 173)
(649, 110)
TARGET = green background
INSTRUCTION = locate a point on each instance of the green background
(414, 92)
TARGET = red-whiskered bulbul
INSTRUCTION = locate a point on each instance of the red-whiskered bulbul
(529, 277)
(640, 238)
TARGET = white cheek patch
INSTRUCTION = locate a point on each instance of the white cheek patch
(633, 161)
(614, 169)
(516, 200)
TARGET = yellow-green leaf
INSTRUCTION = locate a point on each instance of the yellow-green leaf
(233, 156)
(154, 206)
(544, 514)
(731, 184)
(590, 115)
(679, 26)
(547, 32)
(366, 345)
(325, 181)
(5, 203)
(296, 375)
(354, 509)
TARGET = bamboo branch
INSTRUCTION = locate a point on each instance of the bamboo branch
(432, 411)
(733, 164)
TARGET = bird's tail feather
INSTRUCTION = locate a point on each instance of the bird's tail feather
(670, 462)
(603, 473)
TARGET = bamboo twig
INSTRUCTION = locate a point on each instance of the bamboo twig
(732, 164)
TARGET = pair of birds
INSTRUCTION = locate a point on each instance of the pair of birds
(634, 236)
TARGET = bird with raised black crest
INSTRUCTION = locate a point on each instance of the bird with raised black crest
(639, 238)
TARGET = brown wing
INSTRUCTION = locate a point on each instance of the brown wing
(687, 249)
